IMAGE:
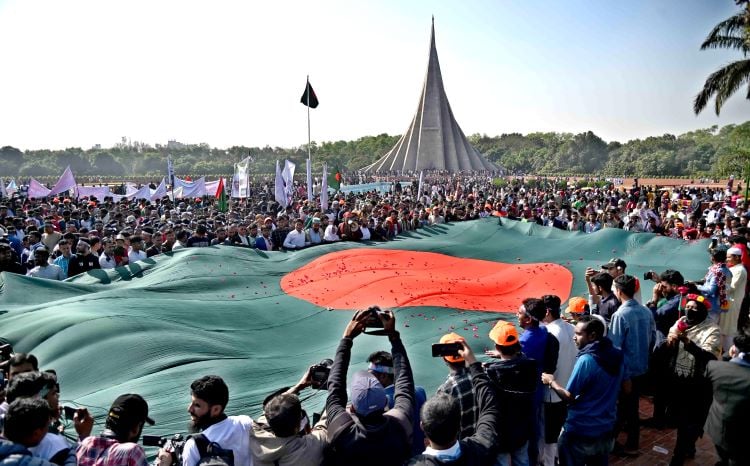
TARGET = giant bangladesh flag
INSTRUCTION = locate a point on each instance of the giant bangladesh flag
(260, 319)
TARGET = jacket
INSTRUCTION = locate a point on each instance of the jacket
(730, 409)
(377, 439)
(269, 450)
(515, 383)
(13, 454)
(478, 449)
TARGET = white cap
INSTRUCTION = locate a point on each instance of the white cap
(734, 252)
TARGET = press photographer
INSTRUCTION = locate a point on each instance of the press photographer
(118, 443)
(367, 434)
(282, 435)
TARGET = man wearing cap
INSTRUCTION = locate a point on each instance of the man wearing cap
(591, 395)
(441, 423)
(633, 331)
(736, 293)
(514, 378)
(314, 235)
(616, 267)
(367, 434)
(459, 386)
(380, 365)
(118, 443)
(553, 410)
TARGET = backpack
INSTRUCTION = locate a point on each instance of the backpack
(211, 453)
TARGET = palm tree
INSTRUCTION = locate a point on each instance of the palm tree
(731, 33)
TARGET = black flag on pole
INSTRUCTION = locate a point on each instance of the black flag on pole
(308, 97)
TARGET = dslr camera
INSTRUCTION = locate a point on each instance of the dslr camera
(651, 275)
(373, 317)
(319, 374)
(173, 445)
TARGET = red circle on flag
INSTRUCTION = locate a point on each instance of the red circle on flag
(357, 278)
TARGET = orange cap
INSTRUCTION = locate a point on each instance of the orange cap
(577, 305)
(452, 338)
(504, 333)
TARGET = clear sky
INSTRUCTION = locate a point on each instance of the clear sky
(75, 73)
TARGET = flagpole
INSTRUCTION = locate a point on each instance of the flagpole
(309, 153)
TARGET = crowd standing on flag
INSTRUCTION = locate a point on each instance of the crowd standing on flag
(538, 375)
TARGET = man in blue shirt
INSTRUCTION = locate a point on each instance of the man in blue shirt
(588, 431)
(633, 331)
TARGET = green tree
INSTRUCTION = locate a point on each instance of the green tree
(732, 33)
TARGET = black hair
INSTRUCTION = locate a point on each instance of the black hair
(24, 416)
(211, 389)
(381, 358)
(673, 277)
(552, 303)
(283, 413)
(626, 285)
(509, 350)
(603, 280)
(441, 418)
(29, 384)
(742, 342)
(592, 325)
(719, 255)
(19, 359)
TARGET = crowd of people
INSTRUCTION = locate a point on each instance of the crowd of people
(557, 388)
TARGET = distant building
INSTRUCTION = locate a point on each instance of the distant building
(172, 144)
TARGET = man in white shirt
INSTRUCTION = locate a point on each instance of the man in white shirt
(43, 268)
(136, 252)
(554, 410)
(295, 239)
(107, 257)
(209, 398)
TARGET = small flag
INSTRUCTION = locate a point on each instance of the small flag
(221, 195)
(334, 180)
(308, 97)
(279, 191)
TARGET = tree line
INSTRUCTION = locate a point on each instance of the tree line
(715, 152)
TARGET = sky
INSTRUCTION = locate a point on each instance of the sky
(76, 73)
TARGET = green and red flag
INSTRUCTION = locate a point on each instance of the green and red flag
(259, 320)
(221, 196)
(335, 179)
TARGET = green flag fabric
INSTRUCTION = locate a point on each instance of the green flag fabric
(251, 316)
(221, 195)
(334, 179)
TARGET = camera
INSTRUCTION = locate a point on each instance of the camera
(319, 374)
(173, 445)
(650, 275)
(714, 242)
(373, 317)
(440, 350)
(6, 351)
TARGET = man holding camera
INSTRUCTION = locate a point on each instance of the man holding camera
(118, 443)
(441, 421)
(367, 434)
(209, 398)
(277, 437)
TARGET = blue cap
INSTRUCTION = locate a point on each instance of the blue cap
(368, 395)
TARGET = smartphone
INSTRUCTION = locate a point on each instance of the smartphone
(69, 412)
(445, 349)
(319, 375)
